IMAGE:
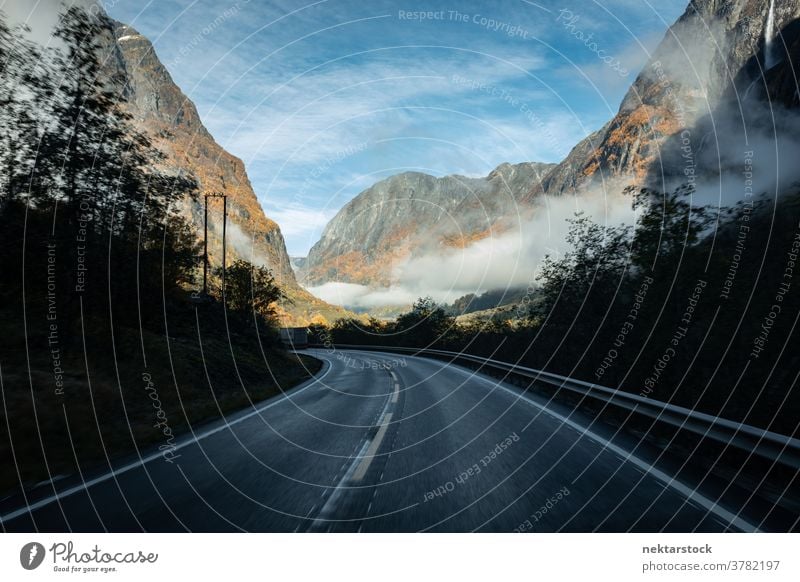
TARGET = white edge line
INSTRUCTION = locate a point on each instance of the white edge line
(152, 457)
(670, 482)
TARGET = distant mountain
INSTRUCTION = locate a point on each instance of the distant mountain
(693, 110)
(297, 263)
(171, 120)
(413, 212)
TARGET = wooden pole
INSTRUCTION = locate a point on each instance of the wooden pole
(205, 248)
(224, 226)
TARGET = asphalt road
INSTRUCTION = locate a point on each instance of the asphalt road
(386, 443)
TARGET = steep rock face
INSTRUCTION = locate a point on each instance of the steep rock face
(171, 120)
(570, 173)
(715, 51)
(782, 79)
(410, 213)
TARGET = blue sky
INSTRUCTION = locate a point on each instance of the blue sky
(322, 99)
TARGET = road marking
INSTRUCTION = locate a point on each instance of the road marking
(396, 393)
(660, 476)
(327, 510)
(394, 376)
(152, 457)
(373, 448)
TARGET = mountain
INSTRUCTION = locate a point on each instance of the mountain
(171, 120)
(692, 110)
(714, 58)
(297, 263)
(412, 212)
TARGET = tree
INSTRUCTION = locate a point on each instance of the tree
(250, 289)
(20, 81)
(667, 226)
(318, 320)
(587, 275)
(78, 176)
(94, 163)
(426, 323)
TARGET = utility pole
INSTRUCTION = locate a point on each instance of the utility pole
(205, 239)
(224, 225)
(205, 250)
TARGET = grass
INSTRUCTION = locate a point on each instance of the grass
(126, 389)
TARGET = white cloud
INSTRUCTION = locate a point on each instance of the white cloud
(299, 222)
(307, 118)
(362, 297)
(508, 260)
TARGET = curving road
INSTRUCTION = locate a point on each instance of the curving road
(385, 443)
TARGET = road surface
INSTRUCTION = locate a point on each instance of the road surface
(386, 443)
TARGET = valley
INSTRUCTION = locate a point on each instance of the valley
(362, 267)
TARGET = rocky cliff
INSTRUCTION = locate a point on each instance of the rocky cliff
(410, 213)
(717, 52)
(171, 120)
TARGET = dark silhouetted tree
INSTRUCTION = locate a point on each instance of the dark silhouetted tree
(251, 289)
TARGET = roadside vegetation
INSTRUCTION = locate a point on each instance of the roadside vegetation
(106, 346)
(694, 306)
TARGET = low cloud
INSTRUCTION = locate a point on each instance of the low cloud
(508, 260)
(361, 297)
(242, 243)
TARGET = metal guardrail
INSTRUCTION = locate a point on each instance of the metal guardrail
(762, 443)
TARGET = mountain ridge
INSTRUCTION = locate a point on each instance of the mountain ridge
(385, 223)
(715, 41)
(172, 122)
(705, 67)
